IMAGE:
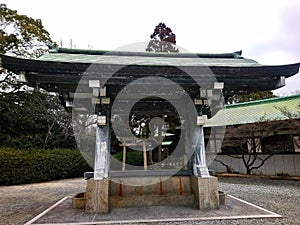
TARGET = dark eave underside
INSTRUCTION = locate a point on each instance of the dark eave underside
(64, 76)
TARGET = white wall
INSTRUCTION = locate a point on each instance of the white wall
(289, 163)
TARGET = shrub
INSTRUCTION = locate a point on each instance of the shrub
(35, 165)
(134, 158)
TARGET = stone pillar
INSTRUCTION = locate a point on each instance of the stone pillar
(97, 196)
(205, 190)
(102, 149)
(199, 164)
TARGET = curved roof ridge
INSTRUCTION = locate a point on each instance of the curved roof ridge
(236, 54)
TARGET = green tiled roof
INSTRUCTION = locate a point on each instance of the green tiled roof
(143, 58)
(255, 111)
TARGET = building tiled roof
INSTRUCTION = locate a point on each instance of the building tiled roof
(256, 111)
(60, 70)
(233, 59)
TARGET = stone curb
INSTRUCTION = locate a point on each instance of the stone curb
(294, 178)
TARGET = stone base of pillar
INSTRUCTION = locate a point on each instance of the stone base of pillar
(97, 196)
(206, 192)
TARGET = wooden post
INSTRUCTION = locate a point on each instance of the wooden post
(159, 153)
(145, 155)
(159, 158)
(124, 157)
(150, 157)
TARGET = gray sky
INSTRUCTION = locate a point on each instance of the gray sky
(267, 31)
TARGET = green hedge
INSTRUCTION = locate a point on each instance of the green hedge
(35, 165)
(134, 158)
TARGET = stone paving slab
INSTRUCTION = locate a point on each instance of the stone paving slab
(62, 213)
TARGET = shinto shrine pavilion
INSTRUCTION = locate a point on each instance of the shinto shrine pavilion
(161, 82)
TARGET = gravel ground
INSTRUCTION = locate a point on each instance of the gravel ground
(21, 203)
(279, 196)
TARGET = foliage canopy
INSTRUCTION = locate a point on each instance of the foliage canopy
(30, 117)
(162, 40)
(21, 35)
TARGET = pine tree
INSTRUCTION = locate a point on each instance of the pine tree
(162, 40)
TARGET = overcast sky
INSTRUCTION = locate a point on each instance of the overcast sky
(267, 31)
